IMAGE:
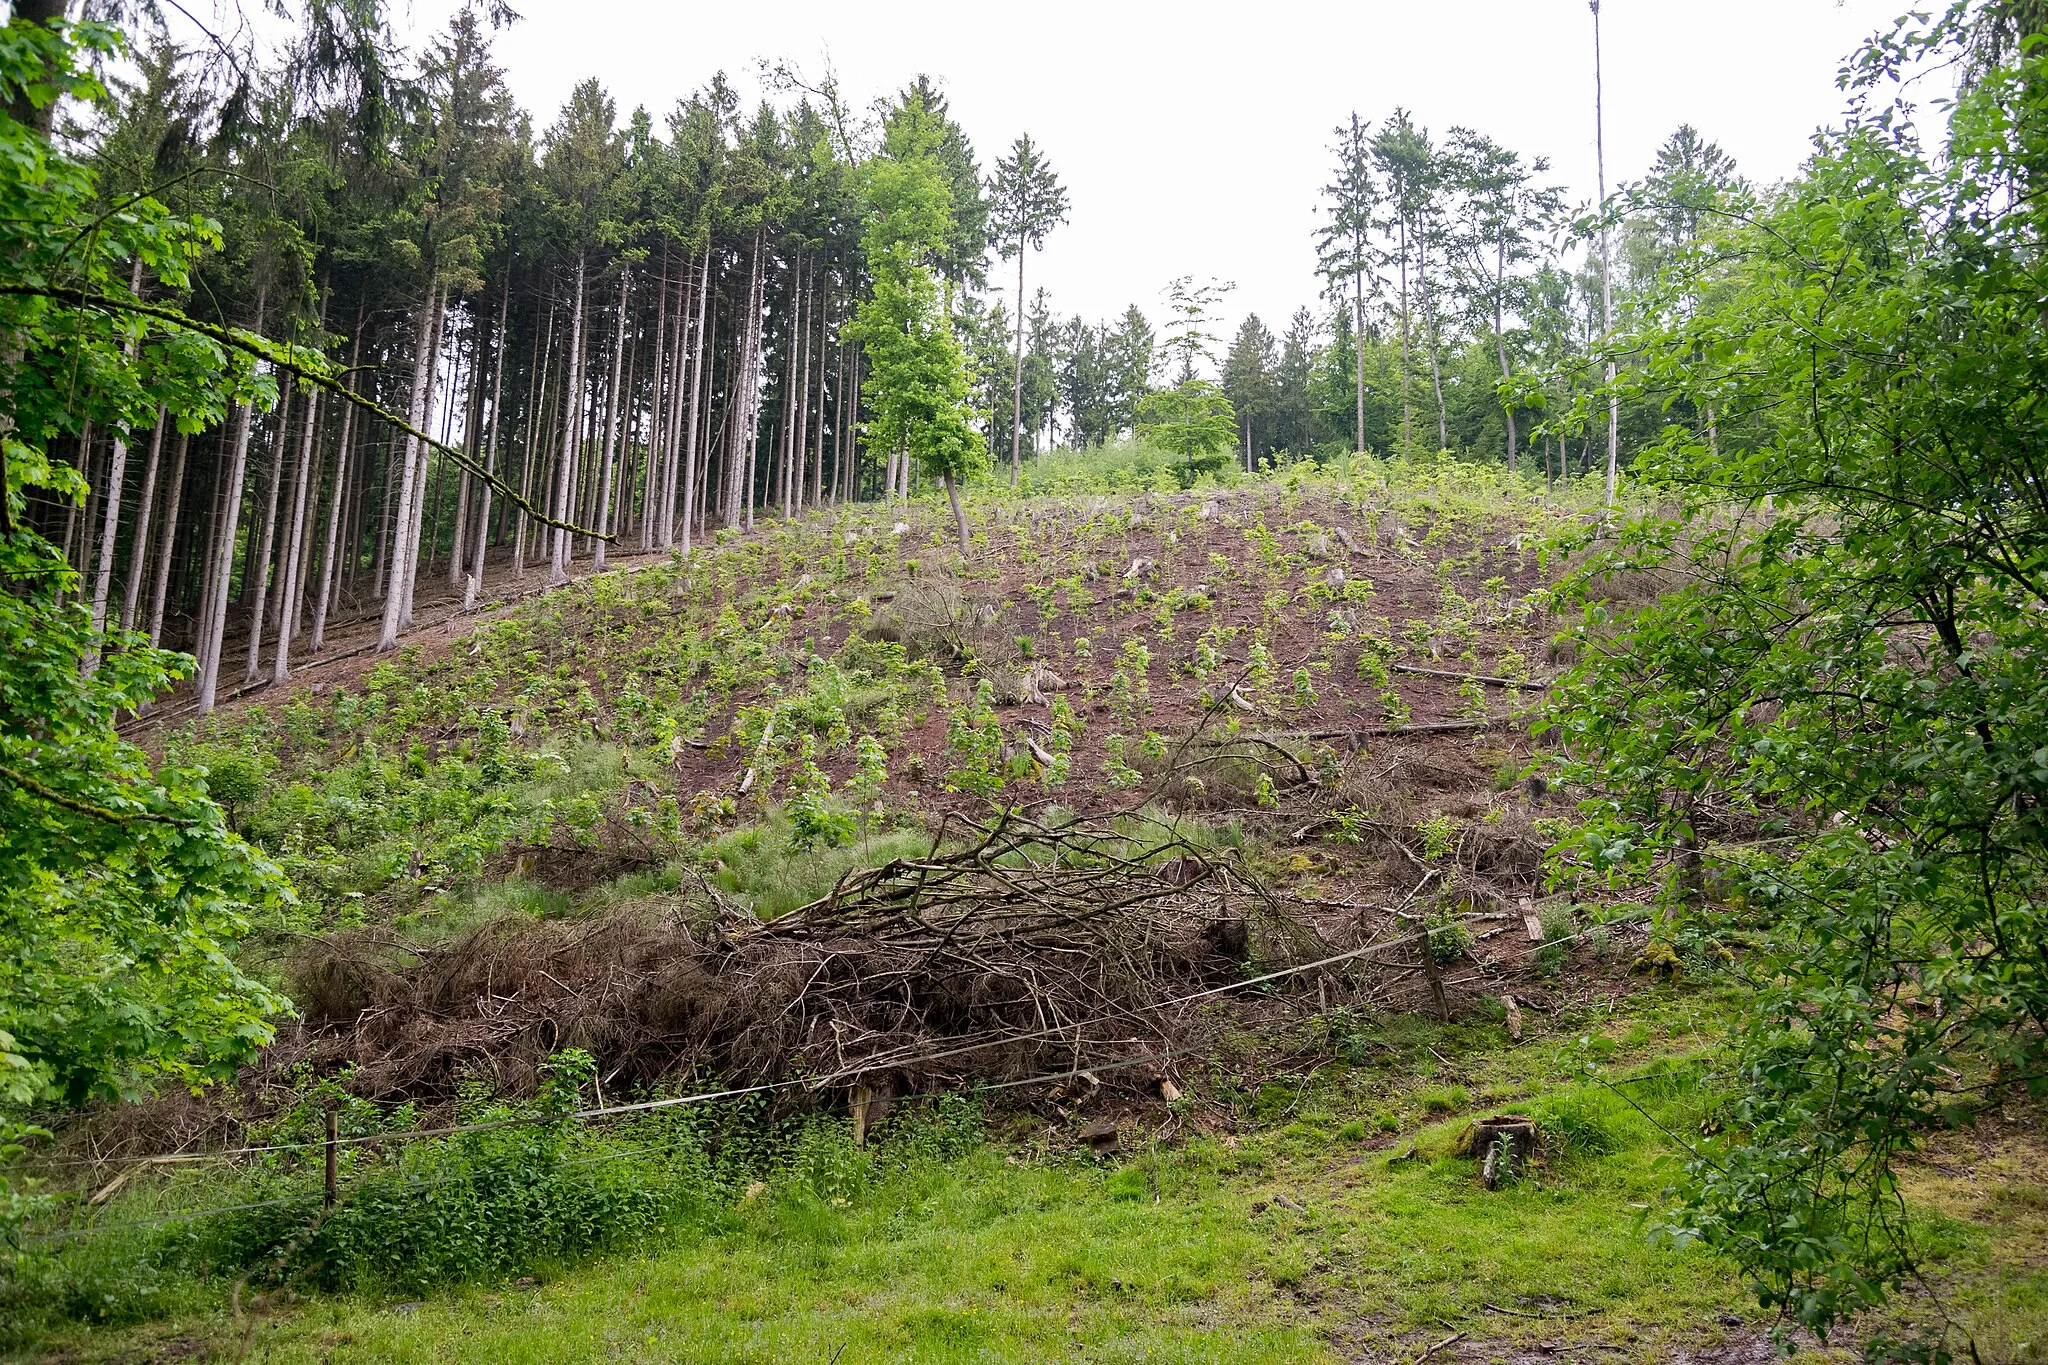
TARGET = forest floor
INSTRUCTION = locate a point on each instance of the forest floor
(1322, 684)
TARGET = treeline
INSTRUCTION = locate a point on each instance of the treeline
(639, 327)
(642, 329)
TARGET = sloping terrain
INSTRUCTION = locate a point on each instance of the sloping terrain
(825, 809)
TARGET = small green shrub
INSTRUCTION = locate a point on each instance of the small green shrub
(1437, 1100)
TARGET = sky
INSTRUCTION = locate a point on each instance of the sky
(1193, 138)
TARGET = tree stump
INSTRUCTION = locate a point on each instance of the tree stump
(1504, 1145)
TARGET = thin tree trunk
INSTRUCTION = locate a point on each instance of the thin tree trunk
(611, 429)
(1407, 403)
(220, 576)
(1606, 267)
(288, 607)
(572, 392)
(661, 391)
(824, 360)
(1436, 375)
(404, 471)
(117, 474)
(256, 578)
(483, 520)
(145, 513)
(536, 403)
(1358, 354)
(472, 412)
(336, 513)
(1017, 376)
(160, 587)
(1500, 343)
(692, 468)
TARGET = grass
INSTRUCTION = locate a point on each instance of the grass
(1018, 1251)
(1021, 1251)
(986, 1260)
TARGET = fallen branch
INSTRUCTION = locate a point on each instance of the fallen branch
(1486, 678)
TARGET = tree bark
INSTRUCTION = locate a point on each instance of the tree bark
(692, 468)
(160, 587)
(145, 513)
(661, 391)
(611, 429)
(221, 574)
(400, 518)
(572, 393)
(431, 465)
(483, 520)
(1358, 354)
(337, 510)
(256, 577)
(288, 605)
(1500, 342)
(1436, 376)
(1017, 375)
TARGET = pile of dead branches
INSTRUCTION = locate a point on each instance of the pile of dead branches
(1011, 949)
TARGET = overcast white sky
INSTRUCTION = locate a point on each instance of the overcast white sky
(1193, 137)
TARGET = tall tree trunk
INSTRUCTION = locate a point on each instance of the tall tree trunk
(692, 466)
(426, 534)
(1358, 354)
(220, 576)
(1606, 265)
(611, 429)
(1407, 405)
(145, 513)
(256, 577)
(1017, 377)
(536, 404)
(824, 360)
(401, 472)
(472, 413)
(1500, 342)
(483, 520)
(572, 393)
(294, 588)
(661, 390)
(1436, 374)
(117, 474)
(159, 588)
(337, 512)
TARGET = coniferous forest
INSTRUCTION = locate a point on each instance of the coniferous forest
(618, 739)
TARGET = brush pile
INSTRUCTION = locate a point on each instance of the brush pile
(1012, 949)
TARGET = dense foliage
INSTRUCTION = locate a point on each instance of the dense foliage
(1830, 730)
(121, 889)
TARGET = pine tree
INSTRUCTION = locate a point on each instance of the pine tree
(1027, 203)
